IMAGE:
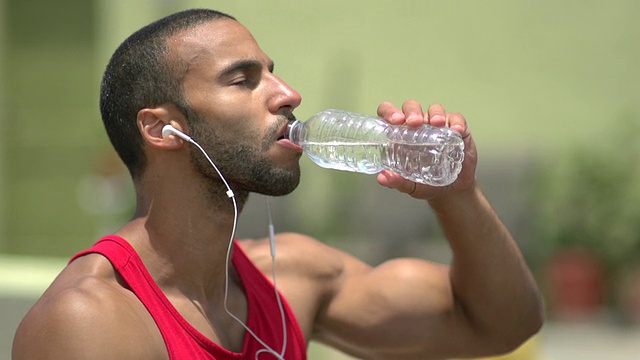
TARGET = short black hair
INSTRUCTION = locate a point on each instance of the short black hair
(141, 74)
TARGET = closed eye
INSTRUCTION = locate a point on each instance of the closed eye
(243, 73)
(250, 82)
(242, 81)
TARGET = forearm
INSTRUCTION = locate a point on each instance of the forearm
(491, 283)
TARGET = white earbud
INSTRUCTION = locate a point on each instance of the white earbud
(170, 130)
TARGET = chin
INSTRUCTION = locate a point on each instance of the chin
(277, 182)
(283, 188)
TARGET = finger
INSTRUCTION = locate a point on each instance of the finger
(437, 115)
(394, 181)
(413, 113)
(457, 122)
(391, 113)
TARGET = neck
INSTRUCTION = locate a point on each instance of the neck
(183, 238)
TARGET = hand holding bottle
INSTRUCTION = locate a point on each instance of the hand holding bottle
(413, 115)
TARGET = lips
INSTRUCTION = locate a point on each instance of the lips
(284, 132)
(283, 139)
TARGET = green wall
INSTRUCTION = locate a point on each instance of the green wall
(533, 78)
(48, 135)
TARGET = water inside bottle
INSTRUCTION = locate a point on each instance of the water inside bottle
(363, 157)
(434, 163)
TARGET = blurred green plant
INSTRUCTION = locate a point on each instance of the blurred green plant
(589, 197)
(587, 224)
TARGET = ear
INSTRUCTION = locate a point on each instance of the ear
(151, 121)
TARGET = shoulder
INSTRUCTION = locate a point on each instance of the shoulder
(309, 272)
(302, 256)
(87, 313)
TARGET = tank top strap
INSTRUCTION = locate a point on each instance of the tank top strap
(181, 339)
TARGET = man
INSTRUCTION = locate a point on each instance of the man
(165, 286)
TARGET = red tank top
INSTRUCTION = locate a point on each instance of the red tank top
(183, 341)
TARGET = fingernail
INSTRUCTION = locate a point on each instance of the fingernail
(437, 118)
(396, 116)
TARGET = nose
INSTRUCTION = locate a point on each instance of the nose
(284, 95)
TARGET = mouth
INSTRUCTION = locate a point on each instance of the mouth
(283, 134)
(282, 138)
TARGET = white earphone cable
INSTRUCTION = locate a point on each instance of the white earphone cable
(231, 195)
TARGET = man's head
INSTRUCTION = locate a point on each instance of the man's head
(142, 74)
(201, 71)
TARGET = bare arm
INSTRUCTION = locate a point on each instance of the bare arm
(490, 281)
(487, 301)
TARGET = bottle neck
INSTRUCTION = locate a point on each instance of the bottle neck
(294, 131)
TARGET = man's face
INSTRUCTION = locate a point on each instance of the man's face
(240, 107)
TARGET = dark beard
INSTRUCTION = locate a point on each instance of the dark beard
(246, 167)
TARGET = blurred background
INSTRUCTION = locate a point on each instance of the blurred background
(551, 90)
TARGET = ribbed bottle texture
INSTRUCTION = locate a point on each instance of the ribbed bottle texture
(343, 140)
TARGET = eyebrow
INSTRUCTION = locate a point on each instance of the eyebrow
(243, 65)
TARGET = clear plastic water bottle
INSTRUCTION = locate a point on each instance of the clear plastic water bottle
(343, 140)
